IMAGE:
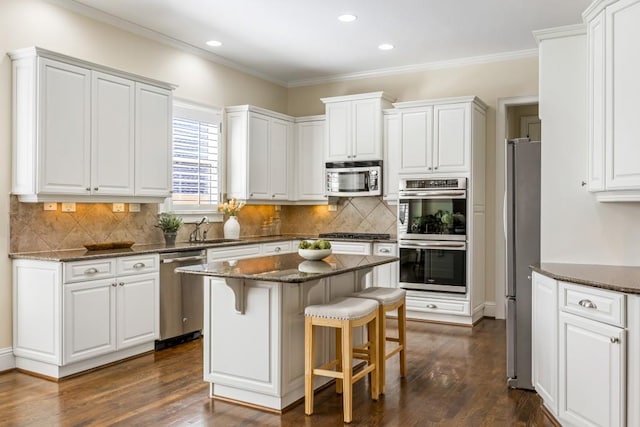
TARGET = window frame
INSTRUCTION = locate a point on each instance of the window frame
(198, 111)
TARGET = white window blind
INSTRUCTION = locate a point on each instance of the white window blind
(196, 158)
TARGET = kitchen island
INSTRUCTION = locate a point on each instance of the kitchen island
(254, 322)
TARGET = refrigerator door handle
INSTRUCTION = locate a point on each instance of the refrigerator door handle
(504, 214)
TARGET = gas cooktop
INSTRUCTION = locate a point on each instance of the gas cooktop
(355, 236)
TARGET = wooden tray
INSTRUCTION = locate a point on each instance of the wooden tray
(108, 245)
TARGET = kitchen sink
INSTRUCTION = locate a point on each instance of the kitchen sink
(217, 241)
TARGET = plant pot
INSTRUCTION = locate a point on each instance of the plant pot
(170, 239)
(231, 228)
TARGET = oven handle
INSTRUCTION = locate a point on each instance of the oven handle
(461, 194)
(462, 246)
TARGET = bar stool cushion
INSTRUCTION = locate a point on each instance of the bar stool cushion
(343, 309)
(383, 295)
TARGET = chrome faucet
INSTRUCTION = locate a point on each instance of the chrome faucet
(195, 235)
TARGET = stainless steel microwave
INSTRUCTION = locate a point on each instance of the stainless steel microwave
(350, 179)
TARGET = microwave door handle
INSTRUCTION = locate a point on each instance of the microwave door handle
(366, 181)
(434, 195)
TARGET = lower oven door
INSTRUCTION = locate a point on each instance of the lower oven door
(437, 266)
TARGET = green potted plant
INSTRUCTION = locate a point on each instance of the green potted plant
(169, 223)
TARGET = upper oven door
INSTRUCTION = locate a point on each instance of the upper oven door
(432, 215)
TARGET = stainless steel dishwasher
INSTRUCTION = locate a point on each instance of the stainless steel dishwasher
(181, 298)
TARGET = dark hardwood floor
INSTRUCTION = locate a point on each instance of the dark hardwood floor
(456, 377)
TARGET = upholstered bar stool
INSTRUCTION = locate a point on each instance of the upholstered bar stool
(342, 314)
(390, 299)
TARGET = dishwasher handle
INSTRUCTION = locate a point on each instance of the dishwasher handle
(181, 259)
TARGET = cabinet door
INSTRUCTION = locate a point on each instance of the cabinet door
(544, 337)
(417, 140)
(592, 372)
(259, 157)
(89, 320)
(366, 119)
(451, 138)
(596, 97)
(386, 275)
(112, 135)
(622, 94)
(391, 160)
(64, 127)
(339, 134)
(279, 156)
(153, 140)
(310, 160)
(138, 309)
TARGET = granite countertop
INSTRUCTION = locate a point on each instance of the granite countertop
(615, 278)
(81, 254)
(288, 268)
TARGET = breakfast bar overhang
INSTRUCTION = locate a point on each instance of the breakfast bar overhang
(254, 322)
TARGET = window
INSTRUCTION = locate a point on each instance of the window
(197, 161)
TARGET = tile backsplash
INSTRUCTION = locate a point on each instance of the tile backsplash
(34, 229)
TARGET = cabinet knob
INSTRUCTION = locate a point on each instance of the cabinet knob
(251, 195)
(429, 168)
(432, 306)
(587, 304)
(121, 283)
(273, 195)
(95, 188)
(277, 249)
(615, 340)
(583, 183)
(88, 188)
(435, 167)
(114, 284)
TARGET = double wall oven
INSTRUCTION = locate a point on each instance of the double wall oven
(432, 234)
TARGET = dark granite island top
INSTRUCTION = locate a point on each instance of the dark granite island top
(611, 277)
(286, 268)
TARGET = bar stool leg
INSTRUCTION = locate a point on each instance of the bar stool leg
(382, 346)
(402, 334)
(339, 357)
(309, 352)
(347, 371)
(375, 356)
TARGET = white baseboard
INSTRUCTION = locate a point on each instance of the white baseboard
(7, 360)
(490, 309)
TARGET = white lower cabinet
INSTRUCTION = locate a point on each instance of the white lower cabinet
(581, 368)
(108, 310)
(386, 275)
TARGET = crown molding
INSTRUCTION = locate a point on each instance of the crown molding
(436, 65)
(560, 32)
(137, 29)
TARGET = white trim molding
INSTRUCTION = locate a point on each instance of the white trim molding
(7, 359)
(490, 309)
(560, 32)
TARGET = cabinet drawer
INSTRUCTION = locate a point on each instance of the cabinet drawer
(385, 249)
(351, 248)
(233, 252)
(459, 308)
(79, 271)
(276, 248)
(137, 264)
(592, 303)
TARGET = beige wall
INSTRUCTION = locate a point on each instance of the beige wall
(489, 82)
(514, 114)
(33, 22)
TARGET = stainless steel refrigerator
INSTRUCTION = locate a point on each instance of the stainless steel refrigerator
(522, 205)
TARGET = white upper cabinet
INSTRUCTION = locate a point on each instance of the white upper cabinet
(437, 135)
(309, 165)
(259, 150)
(391, 160)
(82, 132)
(614, 90)
(354, 126)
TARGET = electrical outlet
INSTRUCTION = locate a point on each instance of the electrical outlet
(69, 207)
(134, 207)
(53, 206)
(118, 207)
(332, 208)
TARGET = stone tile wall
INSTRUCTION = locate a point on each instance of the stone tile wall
(34, 229)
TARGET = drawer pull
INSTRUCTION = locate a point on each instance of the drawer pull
(432, 306)
(277, 249)
(91, 270)
(587, 304)
(384, 251)
(138, 265)
(615, 340)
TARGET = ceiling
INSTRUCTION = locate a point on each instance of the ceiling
(296, 42)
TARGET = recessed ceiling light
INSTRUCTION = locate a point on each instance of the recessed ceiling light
(214, 43)
(347, 17)
(386, 46)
